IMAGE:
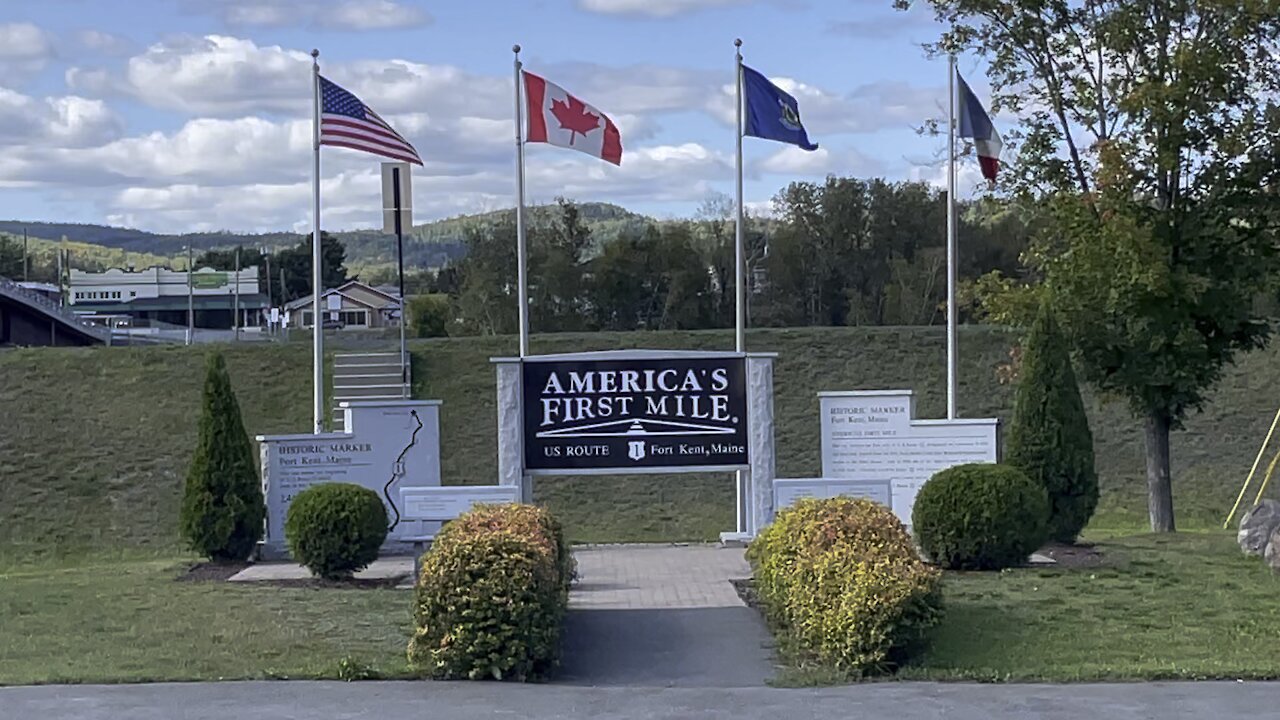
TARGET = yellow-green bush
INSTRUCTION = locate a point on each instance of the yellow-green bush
(491, 597)
(841, 582)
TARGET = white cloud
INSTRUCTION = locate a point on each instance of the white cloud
(791, 160)
(219, 75)
(372, 15)
(653, 8)
(969, 180)
(104, 42)
(68, 121)
(24, 49)
(351, 195)
(334, 14)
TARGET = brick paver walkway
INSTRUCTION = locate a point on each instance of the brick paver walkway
(634, 577)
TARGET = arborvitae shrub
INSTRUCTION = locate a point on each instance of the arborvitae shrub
(1049, 437)
(222, 506)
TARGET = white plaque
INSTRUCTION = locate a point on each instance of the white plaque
(874, 436)
(788, 490)
(439, 504)
(388, 446)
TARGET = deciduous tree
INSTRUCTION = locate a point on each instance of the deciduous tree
(1149, 134)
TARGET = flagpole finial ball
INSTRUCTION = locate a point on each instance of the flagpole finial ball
(737, 42)
(515, 48)
(315, 53)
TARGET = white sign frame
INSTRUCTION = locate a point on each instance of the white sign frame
(872, 422)
(787, 490)
(419, 503)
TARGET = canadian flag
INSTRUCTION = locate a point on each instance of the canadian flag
(555, 117)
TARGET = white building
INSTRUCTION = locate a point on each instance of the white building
(161, 294)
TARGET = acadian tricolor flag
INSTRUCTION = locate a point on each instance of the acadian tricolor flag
(976, 125)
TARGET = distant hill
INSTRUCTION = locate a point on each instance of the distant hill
(427, 245)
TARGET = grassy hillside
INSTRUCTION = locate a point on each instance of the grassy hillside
(95, 442)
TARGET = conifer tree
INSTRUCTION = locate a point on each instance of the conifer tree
(222, 506)
(1049, 438)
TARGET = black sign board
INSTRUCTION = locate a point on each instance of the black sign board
(629, 414)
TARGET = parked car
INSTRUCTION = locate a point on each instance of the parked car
(332, 324)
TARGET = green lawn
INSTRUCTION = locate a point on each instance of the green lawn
(1188, 606)
(129, 620)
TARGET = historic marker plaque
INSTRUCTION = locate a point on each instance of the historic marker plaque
(628, 414)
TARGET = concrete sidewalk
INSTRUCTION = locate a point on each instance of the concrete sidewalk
(456, 701)
(663, 616)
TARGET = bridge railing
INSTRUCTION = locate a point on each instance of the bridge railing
(35, 300)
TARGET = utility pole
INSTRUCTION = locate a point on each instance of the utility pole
(266, 257)
(283, 289)
(61, 302)
(191, 305)
(404, 308)
(235, 313)
(26, 262)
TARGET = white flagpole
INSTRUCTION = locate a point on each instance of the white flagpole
(740, 295)
(317, 320)
(952, 320)
(740, 274)
(521, 253)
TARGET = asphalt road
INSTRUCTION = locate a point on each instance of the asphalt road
(296, 700)
(724, 647)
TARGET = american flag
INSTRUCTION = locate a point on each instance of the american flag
(347, 122)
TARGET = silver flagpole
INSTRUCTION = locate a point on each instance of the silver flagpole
(740, 294)
(740, 274)
(952, 320)
(317, 321)
(522, 258)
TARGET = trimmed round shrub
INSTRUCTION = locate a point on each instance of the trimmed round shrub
(842, 584)
(981, 517)
(335, 529)
(491, 597)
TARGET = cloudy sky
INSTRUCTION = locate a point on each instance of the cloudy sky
(185, 115)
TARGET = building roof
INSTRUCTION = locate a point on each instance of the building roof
(355, 291)
(248, 301)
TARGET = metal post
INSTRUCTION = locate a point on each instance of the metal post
(522, 257)
(191, 305)
(266, 257)
(284, 328)
(952, 320)
(61, 299)
(404, 305)
(235, 313)
(317, 323)
(740, 295)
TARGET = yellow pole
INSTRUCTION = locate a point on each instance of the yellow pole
(1261, 451)
(1270, 469)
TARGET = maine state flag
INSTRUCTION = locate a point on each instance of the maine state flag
(772, 114)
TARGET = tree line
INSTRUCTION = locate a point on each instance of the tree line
(846, 251)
